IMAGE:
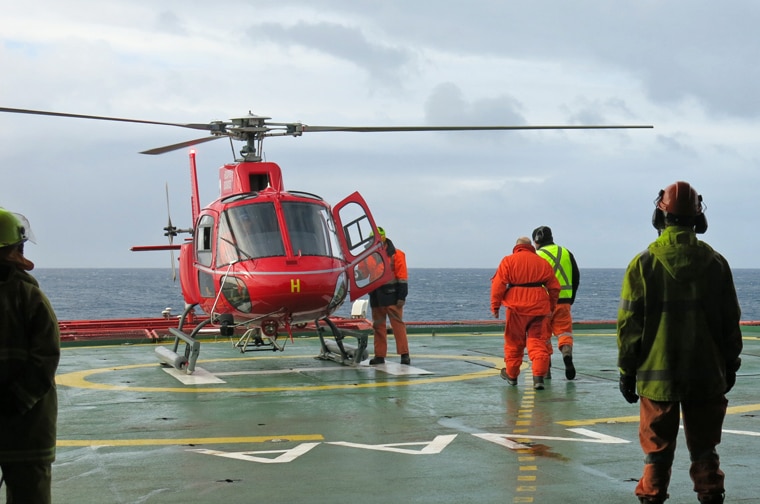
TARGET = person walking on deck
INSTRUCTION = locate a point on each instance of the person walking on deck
(568, 275)
(525, 284)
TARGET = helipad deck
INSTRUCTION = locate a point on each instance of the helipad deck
(286, 428)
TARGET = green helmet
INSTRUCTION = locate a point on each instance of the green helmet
(14, 229)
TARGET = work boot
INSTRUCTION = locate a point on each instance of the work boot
(405, 359)
(505, 376)
(644, 500)
(567, 358)
(712, 499)
(376, 360)
(538, 382)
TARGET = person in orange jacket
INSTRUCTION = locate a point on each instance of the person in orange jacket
(526, 285)
(387, 301)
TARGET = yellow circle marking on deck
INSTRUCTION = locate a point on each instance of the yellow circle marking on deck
(79, 379)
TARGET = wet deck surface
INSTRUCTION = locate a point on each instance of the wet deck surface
(284, 427)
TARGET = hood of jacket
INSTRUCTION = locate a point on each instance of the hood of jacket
(682, 255)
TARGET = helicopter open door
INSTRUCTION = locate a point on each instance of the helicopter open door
(368, 265)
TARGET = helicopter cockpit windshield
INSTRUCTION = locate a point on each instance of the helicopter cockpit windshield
(311, 229)
(252, 231)
(249, 232)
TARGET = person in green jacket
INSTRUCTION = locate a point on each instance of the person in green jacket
(29, 354)
(679, 343)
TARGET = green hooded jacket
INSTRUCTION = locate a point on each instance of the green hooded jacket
(29, 354)
(678, 320)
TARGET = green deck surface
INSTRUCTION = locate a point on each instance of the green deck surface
(283, 427)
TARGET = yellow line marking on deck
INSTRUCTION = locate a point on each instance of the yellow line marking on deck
(731, 410)
(186, 441)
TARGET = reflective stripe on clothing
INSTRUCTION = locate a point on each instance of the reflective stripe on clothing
(559, 259)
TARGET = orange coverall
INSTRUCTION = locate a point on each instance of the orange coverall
(388, 301)
(525, 283)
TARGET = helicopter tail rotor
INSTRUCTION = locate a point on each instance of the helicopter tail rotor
(171, 232)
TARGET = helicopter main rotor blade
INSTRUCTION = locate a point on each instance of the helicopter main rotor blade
(205, 127)
(370, 129)
(189, 143)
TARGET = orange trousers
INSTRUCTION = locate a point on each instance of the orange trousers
(396, 316)
(658, 430)
(561, 326)
(529, 331)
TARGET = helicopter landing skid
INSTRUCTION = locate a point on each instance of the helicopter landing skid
(338, 351)
(253, 341)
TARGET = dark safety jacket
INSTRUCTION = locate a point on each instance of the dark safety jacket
(29, 354)
(678, 320)
(398, 288)
(524, 283)
(565, 269)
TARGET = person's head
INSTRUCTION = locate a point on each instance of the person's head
(523, 240)
(679, 204)
(542, 235)
(14, 232)
(382, 233)
(14, 229)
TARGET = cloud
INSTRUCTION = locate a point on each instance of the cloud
(454, 199)
(339, 41)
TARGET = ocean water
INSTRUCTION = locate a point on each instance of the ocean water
(434, 294)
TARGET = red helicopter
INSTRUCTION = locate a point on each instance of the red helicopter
(261, 260)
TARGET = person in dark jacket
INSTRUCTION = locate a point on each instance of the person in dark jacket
(568, 275)
(387, 302)
(679, 342)
(29, 354)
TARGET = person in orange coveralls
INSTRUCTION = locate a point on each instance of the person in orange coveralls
(525, 283)
(387, 301)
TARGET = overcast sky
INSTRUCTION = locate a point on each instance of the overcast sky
(689, 68)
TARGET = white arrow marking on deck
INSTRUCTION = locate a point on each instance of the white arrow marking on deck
(287, 455)
(742, 432)
(430, 448)
(592, 437)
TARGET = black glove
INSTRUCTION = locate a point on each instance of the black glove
(628, 388)
(9, 405)
(731, 369)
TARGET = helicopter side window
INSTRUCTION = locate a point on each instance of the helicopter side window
(255, 231)
(311, 229)
(226, 248)
(203, 240)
